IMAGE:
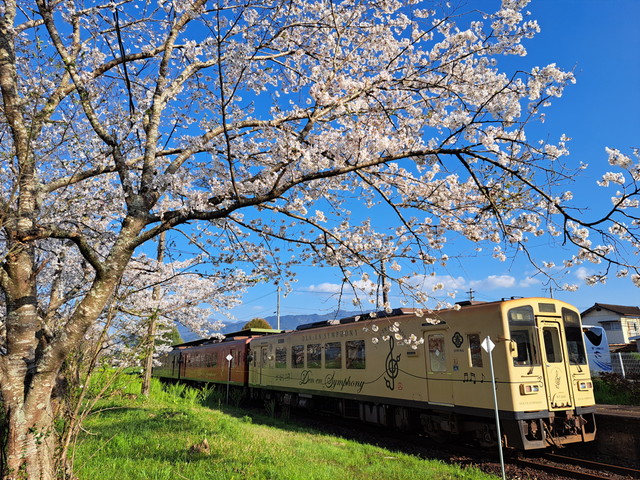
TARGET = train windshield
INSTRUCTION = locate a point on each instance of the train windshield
(575, 341)
(522, 330)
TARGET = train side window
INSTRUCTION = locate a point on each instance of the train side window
(281, 357)
(297, 356)
(475, 350)
(355, 354)
(212, 360)
(437, 357)
(575, 340)
(522, 332)
(314, 356)
(552, 345)
(333, 355)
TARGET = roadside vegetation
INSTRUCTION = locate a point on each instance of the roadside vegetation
(176, 434)
(180, 432)
(613, 389)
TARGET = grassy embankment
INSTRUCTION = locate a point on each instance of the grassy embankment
(612, 389)
(157, 438)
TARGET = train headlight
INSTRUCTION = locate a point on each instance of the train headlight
(584, 385)
(529, 388)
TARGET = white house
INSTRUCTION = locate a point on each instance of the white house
(620, 322)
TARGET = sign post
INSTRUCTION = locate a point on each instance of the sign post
(488, 347)
(229, 358)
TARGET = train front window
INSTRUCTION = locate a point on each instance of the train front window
(522, 331)
(552, 345)
(575, 340)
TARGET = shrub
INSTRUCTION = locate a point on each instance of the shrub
(611, 388)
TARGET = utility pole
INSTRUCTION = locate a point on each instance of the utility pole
(471, 292)
(385, 294)
(278, 307)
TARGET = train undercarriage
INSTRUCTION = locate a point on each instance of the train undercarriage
(527, 431)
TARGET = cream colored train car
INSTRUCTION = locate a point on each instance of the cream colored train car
(431, 372)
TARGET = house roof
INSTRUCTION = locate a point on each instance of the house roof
(619, 309)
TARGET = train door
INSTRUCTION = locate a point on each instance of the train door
(555, 366)
(439, 384)
(263, 363)
(182, 364)
(175, 362)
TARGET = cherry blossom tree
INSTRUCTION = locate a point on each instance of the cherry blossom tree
(244, 126)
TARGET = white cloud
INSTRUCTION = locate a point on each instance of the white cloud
(325, 287)
(493, 282)
(427, 282)
(360, 286)
(582, 273)
(529, 282)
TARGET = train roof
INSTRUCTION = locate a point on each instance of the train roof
(242, 334)
(400, 312)
(396, 312)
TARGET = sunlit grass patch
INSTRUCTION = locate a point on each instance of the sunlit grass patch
(163, 438)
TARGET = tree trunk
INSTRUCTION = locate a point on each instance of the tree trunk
(151, 332)
(29, 369)
(30, 442)
(148, 355)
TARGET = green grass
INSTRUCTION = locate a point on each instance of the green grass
(153, 439)
(612, 389)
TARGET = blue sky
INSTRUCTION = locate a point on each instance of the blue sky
(600, 41)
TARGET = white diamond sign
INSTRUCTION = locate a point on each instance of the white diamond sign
(487, 345)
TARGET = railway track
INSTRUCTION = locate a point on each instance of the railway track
(541, 466)
(570, 467)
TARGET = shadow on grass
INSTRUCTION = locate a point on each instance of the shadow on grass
(298, 420)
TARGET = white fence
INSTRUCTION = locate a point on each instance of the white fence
(626, 364)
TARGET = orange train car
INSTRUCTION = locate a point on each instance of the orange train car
(210, 360)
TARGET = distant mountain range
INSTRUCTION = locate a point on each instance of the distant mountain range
(287, 322)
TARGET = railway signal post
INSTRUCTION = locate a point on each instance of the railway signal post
(229, 358)
(488, 347)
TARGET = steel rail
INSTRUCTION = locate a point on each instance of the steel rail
(620, 470)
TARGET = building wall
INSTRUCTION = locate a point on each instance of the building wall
(631, 328)
(605, 318)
